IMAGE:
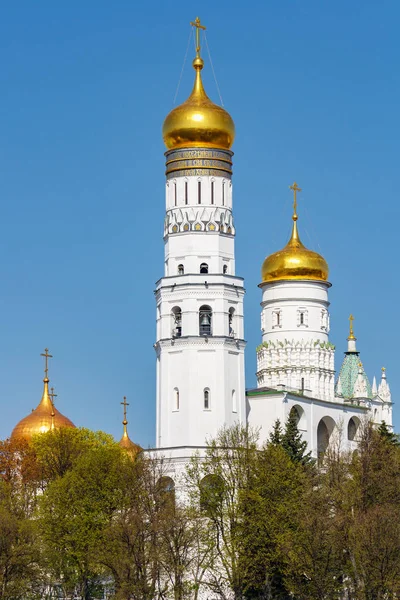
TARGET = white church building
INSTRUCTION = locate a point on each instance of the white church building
(200, 346)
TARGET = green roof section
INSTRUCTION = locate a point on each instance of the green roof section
(347, 379)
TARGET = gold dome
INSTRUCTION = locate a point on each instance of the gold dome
(127, 444)
(198, 122)
(44, 418)
(294, 261)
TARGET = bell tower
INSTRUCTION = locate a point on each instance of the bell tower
(199, 337)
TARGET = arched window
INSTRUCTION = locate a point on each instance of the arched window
(352, 428)
(231, 315)
(176, 314)
(301, 318)
(300, 416)
(204, 268)
(223, 192)
(199, 192)
(181, 270)
(175, 194)
(176, 399)
(234, 405)
(225, 269)
(212, 191)
(206, 399)
(324, 434)
(205, 320)
(186, 191)
(211, 494)
(166, 490)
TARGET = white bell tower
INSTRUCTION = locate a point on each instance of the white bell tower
(200, 339)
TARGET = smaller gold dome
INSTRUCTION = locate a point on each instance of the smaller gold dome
(126, 443)
(44, 418)
(198, 122)
(294, 262)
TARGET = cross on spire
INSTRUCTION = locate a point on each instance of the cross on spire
(196, 23)
(125, 404)
(46, 356)
(351, 336)
(295, 189)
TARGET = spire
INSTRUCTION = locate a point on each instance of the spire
(374, 387)
(384, 389)
(360, 387)
(351, 340)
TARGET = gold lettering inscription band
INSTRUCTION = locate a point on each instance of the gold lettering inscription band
(201, 161)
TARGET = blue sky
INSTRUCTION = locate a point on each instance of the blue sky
(314, 89)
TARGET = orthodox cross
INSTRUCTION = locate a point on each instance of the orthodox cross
(351, 319)
(52, 395)
(125, 404)
(198, 26)
(46, 356)
(295, 189)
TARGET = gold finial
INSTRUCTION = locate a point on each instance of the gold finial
(351, 335)
(47, 356)
(196, 23)
(295, 189)
(360, 364)
(125, 404)
(383, 369)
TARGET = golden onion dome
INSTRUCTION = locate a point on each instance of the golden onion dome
(43, 418)
(198, 122)
(294, 261)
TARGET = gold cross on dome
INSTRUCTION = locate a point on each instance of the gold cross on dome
(46, 356)
(295, 189)
(125, 404)
(196, 23)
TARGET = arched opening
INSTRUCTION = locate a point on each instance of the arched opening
(206, 399)
(186, 191)
(176, 399)
(300, 416)
(175, 194)
(211, 494)
(225, 269)
(204, 268)
(352, 428)
(325, 429)
(212, 191)
(199, 191)
(223, 192)
(205, 320)
(176, 316)
(166, 490)
(181, 270)
(231, 317)
(234, 404)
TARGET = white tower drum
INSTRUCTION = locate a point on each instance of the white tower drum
(200, 339)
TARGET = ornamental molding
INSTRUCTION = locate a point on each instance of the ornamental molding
(202, 219)
(201, 341)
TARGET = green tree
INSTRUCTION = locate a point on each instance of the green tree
(293, 443)
(20, 575)
(388, 435)
(276, 435)
(73, 513)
